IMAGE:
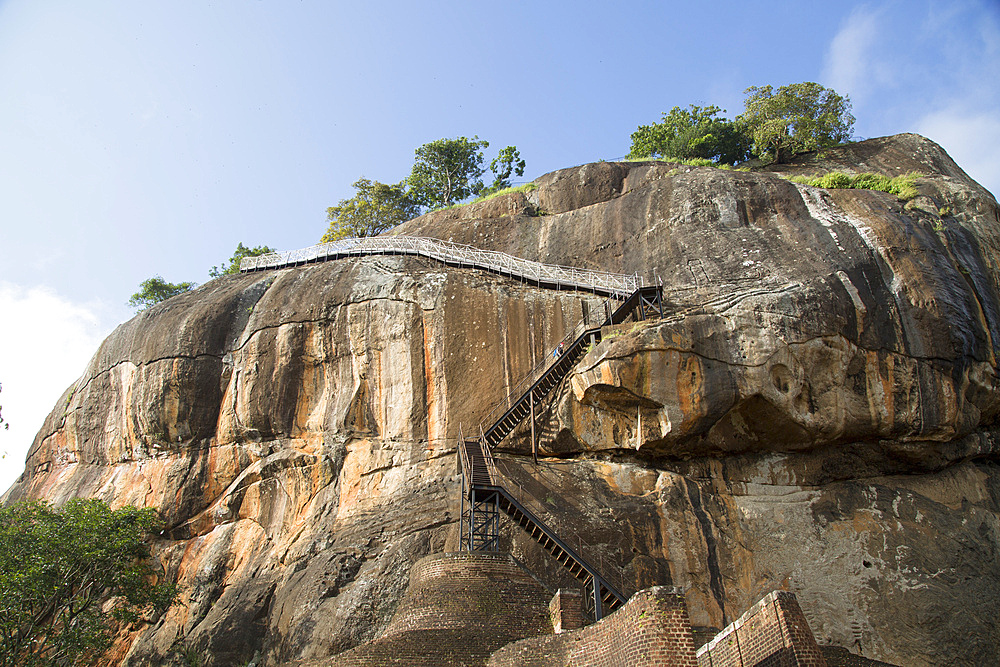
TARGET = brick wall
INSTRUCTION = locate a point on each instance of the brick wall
(772, 633)
(457, 610)
(653, 630)
(566, 610)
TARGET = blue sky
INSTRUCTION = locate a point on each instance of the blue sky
(142, 138)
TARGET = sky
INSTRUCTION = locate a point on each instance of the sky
(149, 138)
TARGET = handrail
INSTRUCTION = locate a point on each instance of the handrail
(491, 466)
(517, 390)
(583, 553)
(597, 578)
(612, 312)
(599, 282)
(464, 462)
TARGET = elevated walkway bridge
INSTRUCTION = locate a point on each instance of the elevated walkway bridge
(549, 276)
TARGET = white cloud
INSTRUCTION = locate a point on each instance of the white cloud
(45, 344)
(848, 67)
(931, 69)
(972, 139)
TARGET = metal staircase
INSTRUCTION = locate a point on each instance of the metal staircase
(483, 500)
(484, 497)
(510, 411)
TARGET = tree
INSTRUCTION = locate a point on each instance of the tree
(71, 577)
(507, 162)
(798, 117)
(234, 261)
(154, 290)
(375, 208)
(446, 171)
(695, 132)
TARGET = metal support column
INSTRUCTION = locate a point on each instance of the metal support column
(482, 530)
(534, 440)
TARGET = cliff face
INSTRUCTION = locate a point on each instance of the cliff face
(816, 411)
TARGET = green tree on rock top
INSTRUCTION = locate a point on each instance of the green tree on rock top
(447, 171)
(154, 290)
(234, 262)
(507, 163)
(695, 132)
(794, 118)
(375, 208)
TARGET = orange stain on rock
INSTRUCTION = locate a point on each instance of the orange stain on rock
(430, 385)
(690, 385)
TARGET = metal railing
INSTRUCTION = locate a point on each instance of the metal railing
(593, 319)
(568, 277)
(608, 570)
(581, 551)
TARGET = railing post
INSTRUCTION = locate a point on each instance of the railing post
(534, 441)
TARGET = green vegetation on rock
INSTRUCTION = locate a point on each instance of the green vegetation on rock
(903, 186)
(447, 171)
(234, 262)
(794, 118)
(375, 208)
(154, 290)
(527, 187)
(70, 578)
(507, 163)
(692, 133)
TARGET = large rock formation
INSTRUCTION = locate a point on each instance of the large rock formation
(816, 412)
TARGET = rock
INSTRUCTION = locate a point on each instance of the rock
(815, 412)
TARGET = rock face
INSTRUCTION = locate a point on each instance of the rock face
(816, 412)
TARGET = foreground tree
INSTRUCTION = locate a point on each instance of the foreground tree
(69, 578)
(154, 290)
(447, 171)
(695, 132)
(234, 262)
(794, 118)
(375, 208)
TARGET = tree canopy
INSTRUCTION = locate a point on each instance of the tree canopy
(507, 163)
(695, 132)
(234, 262)
(375, 208)
(154, 290)
(797, 117)
(71, 577)
(447, 171)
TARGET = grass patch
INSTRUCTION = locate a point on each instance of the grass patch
(904, 186)
(527, 187)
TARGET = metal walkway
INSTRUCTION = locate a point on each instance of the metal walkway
(550, 276)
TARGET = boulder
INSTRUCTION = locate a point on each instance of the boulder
(816, 411)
